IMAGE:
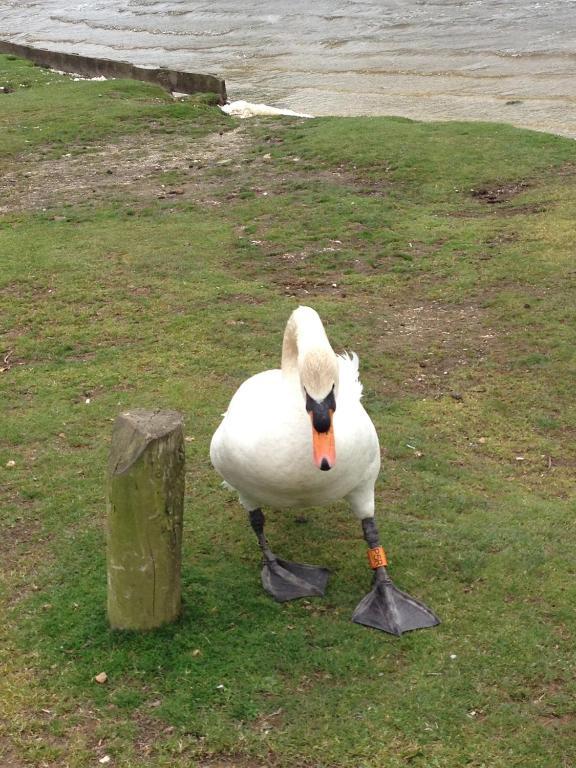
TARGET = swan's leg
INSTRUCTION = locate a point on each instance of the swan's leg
(386, 607)
(257, 521)
(282, 579)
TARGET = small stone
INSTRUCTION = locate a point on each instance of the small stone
(196, 652)
(481, 440)
(10, 464)
(101, 678)
(456, 396)
(104, 760)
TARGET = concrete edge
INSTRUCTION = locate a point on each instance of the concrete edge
(89, 66)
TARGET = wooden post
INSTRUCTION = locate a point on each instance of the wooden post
(144, 525)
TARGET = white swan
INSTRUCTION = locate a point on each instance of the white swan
(300, 437)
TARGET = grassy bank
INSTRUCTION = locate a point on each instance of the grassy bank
(150, 254)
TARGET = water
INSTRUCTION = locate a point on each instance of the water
(510, 60)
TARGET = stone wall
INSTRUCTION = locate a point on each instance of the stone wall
(88, 66)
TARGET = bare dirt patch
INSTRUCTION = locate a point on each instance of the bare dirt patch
(499, 200)
(439, 338)
(501, 193)
(134, 164)
(558, 721)
(268, 722)
(326, 268)
(302, 287)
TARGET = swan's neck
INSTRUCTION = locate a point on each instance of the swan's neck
(307, 357)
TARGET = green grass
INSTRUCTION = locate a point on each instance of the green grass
(57, 115)
(462, 312)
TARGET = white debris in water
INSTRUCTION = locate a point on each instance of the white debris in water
(245, 109)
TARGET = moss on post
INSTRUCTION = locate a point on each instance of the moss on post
(144, 521)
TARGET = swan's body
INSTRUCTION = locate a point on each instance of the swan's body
(263, 447)
(284, 429)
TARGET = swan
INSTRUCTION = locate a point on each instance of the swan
(299, 437)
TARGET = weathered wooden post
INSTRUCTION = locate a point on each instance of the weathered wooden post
(144, 525)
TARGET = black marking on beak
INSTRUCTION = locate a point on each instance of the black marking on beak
(321, 413)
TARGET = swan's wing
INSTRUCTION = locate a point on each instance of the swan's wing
(350, 385)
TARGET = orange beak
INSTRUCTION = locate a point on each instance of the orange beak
(324, 447)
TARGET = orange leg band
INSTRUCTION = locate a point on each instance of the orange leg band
(377, 557)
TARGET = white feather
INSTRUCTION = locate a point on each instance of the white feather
(350, 384)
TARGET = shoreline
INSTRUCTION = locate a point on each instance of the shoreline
(90, 66)
(554, 116)
(428, 96)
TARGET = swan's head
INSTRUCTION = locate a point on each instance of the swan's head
(319, 378)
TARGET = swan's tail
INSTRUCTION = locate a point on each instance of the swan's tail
(350, 385)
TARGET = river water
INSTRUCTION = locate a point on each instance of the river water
(506, 60)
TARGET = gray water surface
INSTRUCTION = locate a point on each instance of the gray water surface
(510, 60)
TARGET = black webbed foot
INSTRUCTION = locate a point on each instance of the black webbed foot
(282, 579)
(386, 607)
(389, 609)
(289, 581)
